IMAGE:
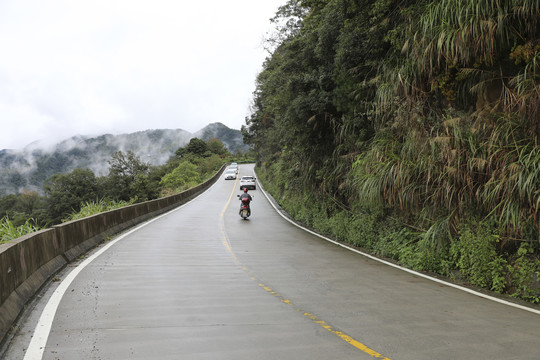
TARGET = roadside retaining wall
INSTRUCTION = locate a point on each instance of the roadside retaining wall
(28, 262)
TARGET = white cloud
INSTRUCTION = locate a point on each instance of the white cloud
(91, 67)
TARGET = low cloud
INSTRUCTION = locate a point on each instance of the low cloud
(118, 66)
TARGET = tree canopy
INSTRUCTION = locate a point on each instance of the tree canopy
(428, 105)
(128, 177)
(66, 192)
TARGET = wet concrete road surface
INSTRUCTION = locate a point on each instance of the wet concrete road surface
(201, 283)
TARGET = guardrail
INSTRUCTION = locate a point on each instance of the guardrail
(28, 262)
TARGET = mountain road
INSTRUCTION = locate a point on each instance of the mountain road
(201, 283)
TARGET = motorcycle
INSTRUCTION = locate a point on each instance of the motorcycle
(245, 210)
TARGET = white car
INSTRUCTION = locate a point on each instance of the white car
(233, 166)
(230, 174)
(247, 182)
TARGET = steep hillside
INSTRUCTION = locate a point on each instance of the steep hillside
(29, 168)
(411, 129)
(231, 138)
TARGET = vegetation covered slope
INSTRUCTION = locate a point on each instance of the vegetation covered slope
(410, 128)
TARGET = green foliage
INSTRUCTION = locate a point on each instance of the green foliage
(476, 256)
(183, 177)
(207, 166)
(525, 273)
(89, 208)
(197, 146)
(65, 192)
(9, 231)
(21, 207)
(190, 170)
(455, 171)
(410, 93)
(363, 230)
(216, 146)
(231, 139)
(128, 178)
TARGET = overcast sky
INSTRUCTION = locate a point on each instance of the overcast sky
(90, 67)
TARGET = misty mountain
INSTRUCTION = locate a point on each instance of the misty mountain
(233, 139)
(28, 168)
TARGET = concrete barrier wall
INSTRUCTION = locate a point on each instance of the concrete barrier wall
(28, 262)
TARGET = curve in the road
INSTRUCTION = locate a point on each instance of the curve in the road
(462, 288)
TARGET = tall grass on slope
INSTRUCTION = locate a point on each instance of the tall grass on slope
(455, 170)
(8, 231)
(458, 42)
(90, 208)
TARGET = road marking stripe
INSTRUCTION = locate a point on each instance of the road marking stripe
(225, 239)
(269, 290)
(325, 326)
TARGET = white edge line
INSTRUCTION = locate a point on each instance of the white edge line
(43, 328)
(459, 287)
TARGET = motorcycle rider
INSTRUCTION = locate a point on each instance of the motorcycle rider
(245, 195)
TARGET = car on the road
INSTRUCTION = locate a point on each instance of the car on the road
(247, 182)
(230, 174)
(233, 166)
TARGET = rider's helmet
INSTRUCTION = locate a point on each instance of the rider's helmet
(245, 190)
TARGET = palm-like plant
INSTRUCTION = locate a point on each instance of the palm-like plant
(477, 38)
(449, 163)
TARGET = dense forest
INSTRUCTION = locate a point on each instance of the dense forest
(129, 180)
(410, 129)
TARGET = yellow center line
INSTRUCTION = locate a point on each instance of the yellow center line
(269, 290)
(228, 201)
(343, 336)
(225, 239)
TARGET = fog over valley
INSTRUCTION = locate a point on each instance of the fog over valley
(28, 168)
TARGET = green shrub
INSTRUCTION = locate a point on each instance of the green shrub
(321, 223)
(525, 275)
(362, 230)
(424, 256)
(184, 176)
(475, 256)
(338, 225)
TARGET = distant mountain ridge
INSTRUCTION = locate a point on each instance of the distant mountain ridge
(28, 168)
